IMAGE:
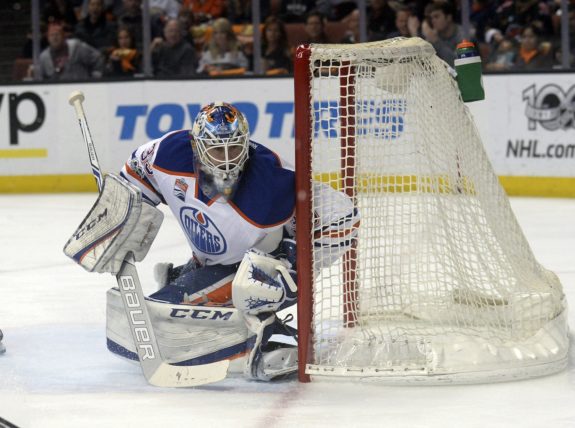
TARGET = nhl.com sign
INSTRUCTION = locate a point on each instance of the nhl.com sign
(550, 106)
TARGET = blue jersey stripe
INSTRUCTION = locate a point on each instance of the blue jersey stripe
(266, 192)
(175, 153)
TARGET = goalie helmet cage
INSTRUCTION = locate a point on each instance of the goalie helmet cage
(440, 284)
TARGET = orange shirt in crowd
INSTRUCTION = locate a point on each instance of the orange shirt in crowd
(527, 55)
(212, 8)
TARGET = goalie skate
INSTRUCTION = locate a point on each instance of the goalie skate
(187, 334)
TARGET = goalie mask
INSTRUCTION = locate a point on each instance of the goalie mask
(220, 138)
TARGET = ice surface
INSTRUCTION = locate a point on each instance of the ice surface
(57, 372)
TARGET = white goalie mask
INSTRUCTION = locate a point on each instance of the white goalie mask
(220, 138)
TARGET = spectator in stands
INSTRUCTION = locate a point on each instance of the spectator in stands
(131, 17)
(95, 29)
(481, 15)
(335, 10)
(60, 12)
(223, 52)
(124, 59)
(130, 13)
(293, 10)
(205, 10)
(532, 55)
(28, 44)
(160, 12)
(166, 9)
(352, 22)
(276, 53)
(442, 31)
(407, 24)
(535, 13)
(504, 16)
(69, 59)
(503, 51)
(380, 20)
(112, 9)
(186, 20)
(173, 56)
(558, 57)
(315, 28)
(240, 11)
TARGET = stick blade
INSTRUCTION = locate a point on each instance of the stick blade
(170, 376)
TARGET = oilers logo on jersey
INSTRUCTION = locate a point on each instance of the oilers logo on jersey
(202, 231)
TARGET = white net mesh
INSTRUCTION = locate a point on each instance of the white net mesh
(442, 283)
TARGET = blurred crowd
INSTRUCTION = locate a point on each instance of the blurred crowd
(85, 39)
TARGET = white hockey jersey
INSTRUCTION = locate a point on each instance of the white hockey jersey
(218, 232)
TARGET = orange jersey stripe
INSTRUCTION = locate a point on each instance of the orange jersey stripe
(250, 221)
(336, 233)
(236, 356)
(220, 295)
(136, 177)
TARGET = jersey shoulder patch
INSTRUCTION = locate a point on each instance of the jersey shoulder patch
(266, 194)
(174, 154)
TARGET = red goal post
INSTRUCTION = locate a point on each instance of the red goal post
(304, 180)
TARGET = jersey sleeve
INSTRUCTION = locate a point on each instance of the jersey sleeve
(138, 170)
(335, 223)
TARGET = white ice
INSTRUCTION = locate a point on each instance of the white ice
(57, 372)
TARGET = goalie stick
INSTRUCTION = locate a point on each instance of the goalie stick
(6, 424)
(157, 371)
(75, 99)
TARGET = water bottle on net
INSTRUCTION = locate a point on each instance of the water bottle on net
(468, 68)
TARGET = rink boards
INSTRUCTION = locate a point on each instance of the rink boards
(526, 124)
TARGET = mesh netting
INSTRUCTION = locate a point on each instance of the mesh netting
(441, 280)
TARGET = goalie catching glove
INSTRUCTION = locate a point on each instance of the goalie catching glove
(263, 284)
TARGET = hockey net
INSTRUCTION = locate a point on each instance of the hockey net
(440, 283)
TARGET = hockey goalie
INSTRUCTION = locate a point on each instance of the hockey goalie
(234, 200)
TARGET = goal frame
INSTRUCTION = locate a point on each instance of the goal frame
(302, 133)
(303, 140)
(347, 172)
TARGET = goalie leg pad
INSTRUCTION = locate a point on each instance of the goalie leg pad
(270, 360)
(186, 334)
(278, 363)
